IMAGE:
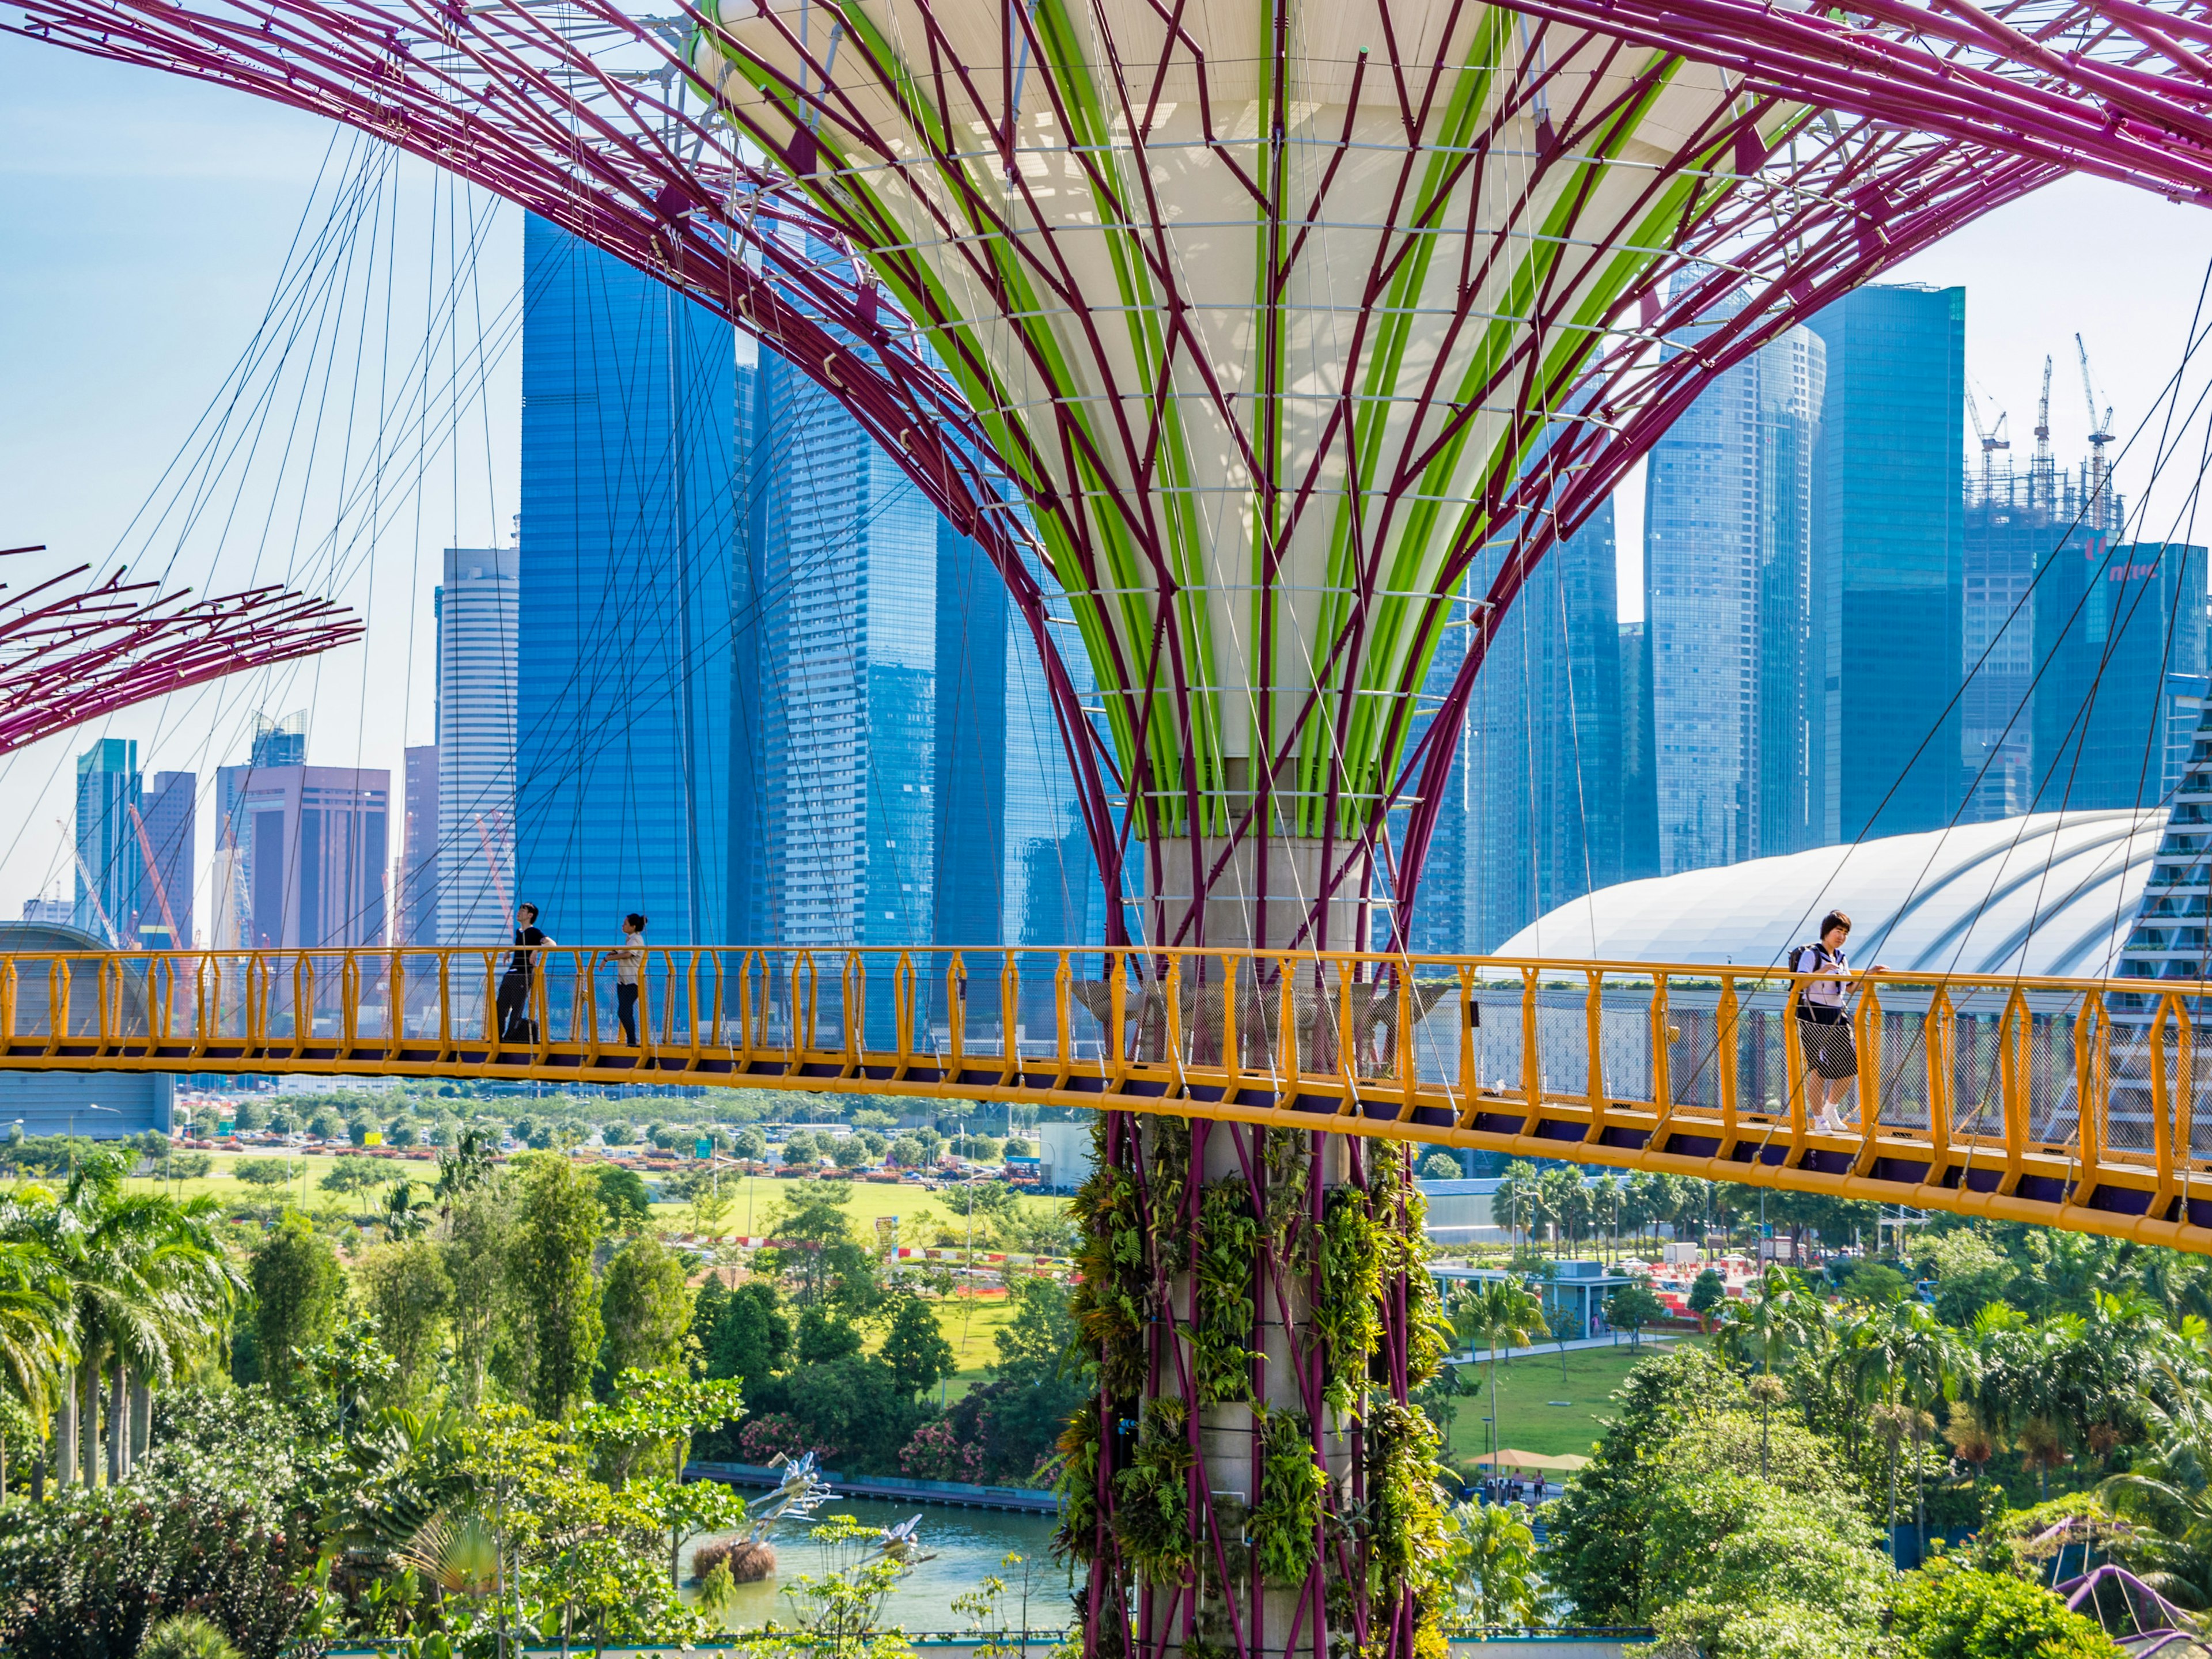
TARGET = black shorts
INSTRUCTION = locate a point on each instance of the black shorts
(1826, 1035)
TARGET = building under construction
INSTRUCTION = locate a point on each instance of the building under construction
(2042, 662)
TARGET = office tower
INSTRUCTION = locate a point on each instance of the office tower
(49, 912)
(849, 623)
(1888, 559)
(170, 824)
(1728, 611)
(108, 861)
(310, 855)
(1013, 864)
(1532, 817)
(2015, 524)
(472, 824)
(418, 846)
(623, 671)
(2117, 631)
(1639, 772)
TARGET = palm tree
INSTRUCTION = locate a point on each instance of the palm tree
(2168, 1498)
(1494, 1561)
(147, 1284)
(35, 1335)
(1765, 1327)
(1929, 1363)
(1513, 1201)
(1500, 1314)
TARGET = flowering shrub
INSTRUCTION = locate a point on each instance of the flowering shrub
(936, 1453)
(777, 1433)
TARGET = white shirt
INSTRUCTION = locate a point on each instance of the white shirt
(1810, 959)
(630, 958)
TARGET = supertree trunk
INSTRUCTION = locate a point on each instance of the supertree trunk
(1251, 1477)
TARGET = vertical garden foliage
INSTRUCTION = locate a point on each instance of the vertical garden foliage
(1228, 1244)
(1177, 1285)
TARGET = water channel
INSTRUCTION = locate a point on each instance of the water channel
(970, 1545)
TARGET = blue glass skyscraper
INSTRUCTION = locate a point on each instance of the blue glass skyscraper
(1532, 817)
(1727, 608)
(2119, 631)
(1888, 559)
(631, 572)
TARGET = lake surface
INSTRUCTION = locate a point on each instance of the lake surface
(969, 1546)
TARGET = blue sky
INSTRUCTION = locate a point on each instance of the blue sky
(147, 218)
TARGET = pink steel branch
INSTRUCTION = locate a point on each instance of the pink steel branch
(2013, 97)
(72, 657)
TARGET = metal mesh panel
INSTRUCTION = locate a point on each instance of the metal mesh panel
(1694, 1059)
(2128, 1129)
(1976, 1080)
(1563, 1042)
(1624, 1041)
(2054, 1108)
(1901, 1062)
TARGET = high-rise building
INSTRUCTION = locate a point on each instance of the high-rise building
(108, 861)
(1729, 613)
(2117, 631)
(1533, 817)
(418, 846)
(1888, 559)
(170, 824)
(303, 852)
(628, 579)
(50, 912)
(1639, 773)
(849, 619)
(2015, 524)
(472, 825)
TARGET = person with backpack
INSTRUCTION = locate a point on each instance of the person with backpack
(1824, 1027)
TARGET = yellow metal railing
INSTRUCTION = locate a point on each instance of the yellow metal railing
(2074, 1102)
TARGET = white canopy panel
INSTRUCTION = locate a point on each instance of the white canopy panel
(2051, 893)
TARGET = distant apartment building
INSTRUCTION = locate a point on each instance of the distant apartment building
(1729, 613)
(50, 912)
(303, 852)
(1889, 518)
(418, 846)
(169, 829)
(464, 863)
(108, 861)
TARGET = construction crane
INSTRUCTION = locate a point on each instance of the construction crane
(2042, 477)
(2100, 434)
(1992, 441)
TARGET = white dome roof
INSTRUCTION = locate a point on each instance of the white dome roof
(2052, 893)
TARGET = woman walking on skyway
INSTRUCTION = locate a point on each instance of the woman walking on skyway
(629, 961)
(1824, 1029)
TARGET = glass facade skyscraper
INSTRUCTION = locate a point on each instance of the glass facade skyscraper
(470, 858)
(2015, 526)
(1535, 813)
(2120, 631)
(628, 579)
(1727, 608)
(764, 693)
(1889, 551)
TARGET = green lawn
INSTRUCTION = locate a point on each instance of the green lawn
(1526, 1391)
(755, 1196)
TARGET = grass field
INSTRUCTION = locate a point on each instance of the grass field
(754, 1196)
(1529, 1390)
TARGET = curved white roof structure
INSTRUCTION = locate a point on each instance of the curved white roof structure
(2052, 893)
